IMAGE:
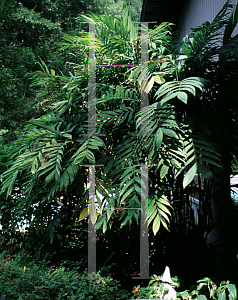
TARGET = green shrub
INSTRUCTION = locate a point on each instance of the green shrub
(153, 291)
(207, 289)
(33, 282)
(203, 290)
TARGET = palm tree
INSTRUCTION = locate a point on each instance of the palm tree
(185, 131)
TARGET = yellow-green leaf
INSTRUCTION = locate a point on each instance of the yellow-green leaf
(83, 214)
(149, 85)
(182, 96)
(156, 224)
(159, 79)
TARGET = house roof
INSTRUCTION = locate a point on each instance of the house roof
(162, 11)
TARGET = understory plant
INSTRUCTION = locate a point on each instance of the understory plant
(19, 281)
(203, 290)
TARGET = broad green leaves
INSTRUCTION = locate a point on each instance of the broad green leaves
(179, 89)
(215, 292)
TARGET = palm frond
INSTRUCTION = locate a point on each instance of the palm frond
(180, 89)
(200, 151)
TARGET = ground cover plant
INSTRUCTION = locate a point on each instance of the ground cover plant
(29, 281)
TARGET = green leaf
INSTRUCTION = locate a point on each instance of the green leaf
(232, 290)
(101, 220)
(190, 175)
(210, 161)
(182, 96)
(43, 125)
(126, 186)
(156, 224)
(207, 174)
(71, 173)
(170, 132)
(168, 97)
(201, 297)
(175, 163)
(83, 214)
(50, 177)
(74, 168)
(222, 296)
(163, 171)
(80, 158)
(127, 194)
(158, 138)
(11, 183)
(90, 156)
(65, 179)
(109, 166)
(165, 224)
(41, 158)
(33, 166)
(159, 79)
(163, 207)
(149, 85)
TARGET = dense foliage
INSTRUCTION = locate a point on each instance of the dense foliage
(21, 279)
(24, 279)
(180, 143)
(28, 31)
(190, 148)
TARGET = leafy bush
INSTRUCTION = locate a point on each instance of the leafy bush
(207, 289)
(203, 290)
(153, 291)
(34, 282)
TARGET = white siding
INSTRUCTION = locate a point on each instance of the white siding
(196, 12)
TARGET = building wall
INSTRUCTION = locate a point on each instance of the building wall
(196, 12)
